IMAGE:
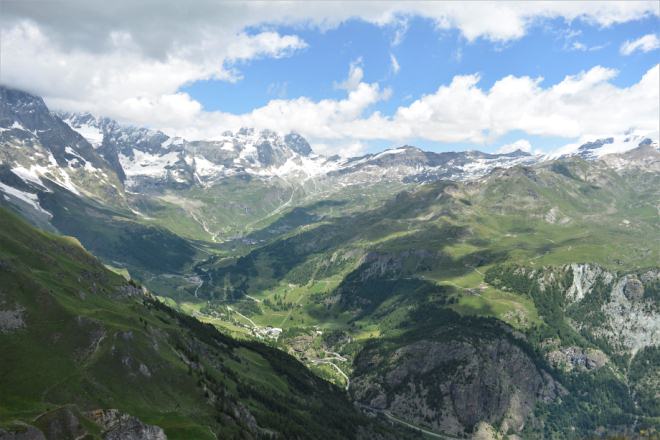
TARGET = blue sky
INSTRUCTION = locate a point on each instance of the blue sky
(463, 77)
(427, 58)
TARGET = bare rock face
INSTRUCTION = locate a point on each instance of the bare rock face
(12, 320)
(584, 278)
(633, 322)
(64, 423)
(119, 426)
(453, 385)
(12, 316)
(484, 431)
(619, 311)
(633, 289)
(577, 358)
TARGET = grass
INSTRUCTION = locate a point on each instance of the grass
(435, 248)
(496, 227)
(104, 349)
(515, 310)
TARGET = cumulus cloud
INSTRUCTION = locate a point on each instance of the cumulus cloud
(129, 60)
(121, 82)
(321, 121)
(585, 104)
(158, 28)
(646, 43)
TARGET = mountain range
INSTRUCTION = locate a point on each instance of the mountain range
(444, 295)
(107, 161)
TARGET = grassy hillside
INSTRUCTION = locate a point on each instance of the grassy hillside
(352, 281)
(336, 285)
(77, 337)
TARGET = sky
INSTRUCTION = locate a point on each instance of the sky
(352, 77)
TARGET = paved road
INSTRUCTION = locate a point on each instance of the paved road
(409, 425)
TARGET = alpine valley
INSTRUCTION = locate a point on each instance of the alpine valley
(157, 287)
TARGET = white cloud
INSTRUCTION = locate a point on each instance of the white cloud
(355, 75)
(504, 21)
(586, 105)
(581, 47)
(578, 46)
(394, 63)
(321, 121)
(521, 144)
(121, 82)
(128, 60)
(646, 43)
(341, 148)
(401, 28)
(157, 27)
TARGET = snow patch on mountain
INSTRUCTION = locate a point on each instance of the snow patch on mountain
(93, 134)
(205, 168)
(401, 150)
(31, 175)
(146, 164)
(65, 182)
(14, 126)
(175, 141)
(595, 149)
(143, 156)
(26, 197)
(153, 157)
(302, 166)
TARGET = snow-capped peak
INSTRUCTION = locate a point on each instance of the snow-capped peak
(85, 124)
(595, 149)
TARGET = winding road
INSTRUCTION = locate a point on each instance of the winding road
(409, 425)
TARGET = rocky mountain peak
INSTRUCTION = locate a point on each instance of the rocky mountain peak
(16, 105)
(645, 157)
(598, 143)
(298, 144)
(143, 158)
(25, 118)
(23, 111)
(516, 153)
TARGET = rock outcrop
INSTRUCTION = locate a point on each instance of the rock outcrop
(452, 385)
(65, 423)
(120, 426)
(577, 358)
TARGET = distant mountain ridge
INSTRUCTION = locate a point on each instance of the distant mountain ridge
(223, 185)
(147, 156)
(268, 154)
(142, 158)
